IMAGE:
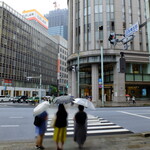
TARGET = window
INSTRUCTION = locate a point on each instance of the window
(136, 68)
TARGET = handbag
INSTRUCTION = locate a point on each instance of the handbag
(52, 123)
(37, 121)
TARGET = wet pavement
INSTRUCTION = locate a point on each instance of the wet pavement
(109, 142)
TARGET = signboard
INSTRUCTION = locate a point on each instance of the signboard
(134, 28)
(6, 82)
(35, 15)
(100, 83)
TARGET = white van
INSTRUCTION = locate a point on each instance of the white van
(5, 99)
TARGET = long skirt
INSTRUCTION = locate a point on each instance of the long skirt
(59, 134)
(80, 133)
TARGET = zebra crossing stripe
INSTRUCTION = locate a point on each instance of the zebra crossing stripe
(90, 128)
(95, 126)
(89, 121)
(91, 124)
(100, 132)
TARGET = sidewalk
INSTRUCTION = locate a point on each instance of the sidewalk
(111, 142)
(139, 103)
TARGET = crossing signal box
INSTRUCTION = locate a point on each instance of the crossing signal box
(122, 65)
(112, 38)
(73, 68)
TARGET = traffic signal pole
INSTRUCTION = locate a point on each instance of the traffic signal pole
(102, 68)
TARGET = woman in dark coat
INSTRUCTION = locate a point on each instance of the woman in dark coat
(80, 131)
(60, 127)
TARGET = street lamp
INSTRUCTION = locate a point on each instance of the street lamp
(38, 77)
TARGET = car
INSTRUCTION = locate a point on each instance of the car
(20, 99)
(4, 98)
(32, 100)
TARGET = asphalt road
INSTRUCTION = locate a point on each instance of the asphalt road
(135, 119)
(16, 121)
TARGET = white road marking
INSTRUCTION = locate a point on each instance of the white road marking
(10, 126)
(94, 132)
(96, 127)
(15, 117)
(134, 114)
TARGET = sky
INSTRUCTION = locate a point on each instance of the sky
(42, 6)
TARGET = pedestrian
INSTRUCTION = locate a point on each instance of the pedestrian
(128, 99)
(41, 129)
(80, 126)
(133, 99)
(60, 127)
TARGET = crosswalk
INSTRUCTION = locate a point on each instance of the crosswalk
(96, 126)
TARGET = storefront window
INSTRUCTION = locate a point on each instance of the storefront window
(136, 68)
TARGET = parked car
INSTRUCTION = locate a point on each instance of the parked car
(5, 98)
(20, 99)
(32, 100)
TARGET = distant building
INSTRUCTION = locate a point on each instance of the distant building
(34, 16)
(62, 73)
(58, 22)
(25, 50)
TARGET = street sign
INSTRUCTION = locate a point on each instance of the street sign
(134, 28)
(99, 80)
(100, 86)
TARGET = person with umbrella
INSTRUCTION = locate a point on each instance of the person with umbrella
(80, 126)
(60, 127)
(41, 129)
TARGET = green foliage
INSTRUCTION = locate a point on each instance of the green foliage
(53, 90)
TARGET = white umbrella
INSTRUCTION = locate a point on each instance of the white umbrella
(63, 99)
(84, 102)
(41, 108)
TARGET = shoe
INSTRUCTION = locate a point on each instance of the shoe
(36, 146)
(41, 147)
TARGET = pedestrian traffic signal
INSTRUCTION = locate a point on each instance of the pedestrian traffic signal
(73, 68)
(112, 39)
(122, 65)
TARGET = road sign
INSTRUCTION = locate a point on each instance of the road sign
(134, 28)
(100, 86)
(99, 80)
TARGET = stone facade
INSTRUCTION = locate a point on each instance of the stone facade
(85, 18)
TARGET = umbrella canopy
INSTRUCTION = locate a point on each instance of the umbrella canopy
(127, 95)
(63, 99)
(84, 102)
(41, 108)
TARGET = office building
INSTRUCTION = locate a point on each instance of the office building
(58, 22)
(62, 72)
(85, 40)
(26, 50)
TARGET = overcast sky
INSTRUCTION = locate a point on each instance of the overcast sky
(43, 6)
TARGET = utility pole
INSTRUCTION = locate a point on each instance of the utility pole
(102, 67)
(78, 76)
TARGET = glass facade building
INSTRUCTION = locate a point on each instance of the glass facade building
(58, 22)
(25, 50)
(85, 40)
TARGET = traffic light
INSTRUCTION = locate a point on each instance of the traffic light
(100, 28)
(73, 68)
(122, 65)
(112, 39)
